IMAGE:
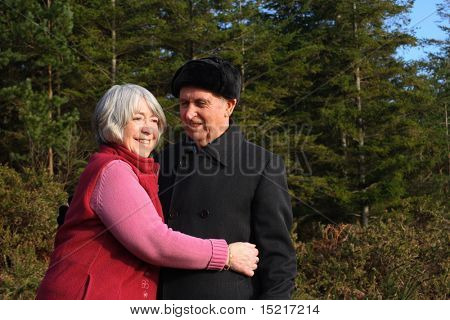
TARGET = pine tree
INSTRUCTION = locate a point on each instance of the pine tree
(141, 42)
(353, 93)
(35, 59)
(260, 49)
(436, 120)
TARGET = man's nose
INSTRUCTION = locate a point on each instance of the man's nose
(191, 112)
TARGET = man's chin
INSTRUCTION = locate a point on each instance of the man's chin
(199, 139)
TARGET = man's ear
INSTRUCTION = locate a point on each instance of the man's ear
(231, 103)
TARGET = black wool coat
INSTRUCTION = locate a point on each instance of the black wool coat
(235, 190)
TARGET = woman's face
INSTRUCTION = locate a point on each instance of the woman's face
(140, 135)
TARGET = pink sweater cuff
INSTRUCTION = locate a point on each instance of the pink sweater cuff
(219, 254)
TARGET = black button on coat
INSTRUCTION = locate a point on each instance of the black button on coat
(235, 190)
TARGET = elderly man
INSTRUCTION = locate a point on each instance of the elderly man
(214, 183)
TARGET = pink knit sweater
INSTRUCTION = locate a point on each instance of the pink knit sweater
(128, 213)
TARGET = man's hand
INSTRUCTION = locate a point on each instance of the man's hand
(243, 258)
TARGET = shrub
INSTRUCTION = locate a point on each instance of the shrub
(396, 259)
(27, 228)
(405, 257)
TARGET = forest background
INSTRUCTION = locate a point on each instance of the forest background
(364, 133)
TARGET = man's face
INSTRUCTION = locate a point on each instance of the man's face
(205, 116)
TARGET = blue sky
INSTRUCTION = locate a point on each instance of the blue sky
(424, 21)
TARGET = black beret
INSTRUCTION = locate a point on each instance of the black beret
(213, 74)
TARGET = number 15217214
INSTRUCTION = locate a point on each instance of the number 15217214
(289, 309)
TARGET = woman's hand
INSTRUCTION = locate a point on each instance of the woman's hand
(243, 258)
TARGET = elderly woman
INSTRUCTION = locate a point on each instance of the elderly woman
(114, 238)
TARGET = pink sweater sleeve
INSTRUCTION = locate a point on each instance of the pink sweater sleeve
(128, 213)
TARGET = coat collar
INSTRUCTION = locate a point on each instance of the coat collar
(225, 149)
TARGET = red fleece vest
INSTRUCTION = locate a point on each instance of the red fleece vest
(88, 262)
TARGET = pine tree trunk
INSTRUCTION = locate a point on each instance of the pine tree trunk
(50, 99)
(113, 40)
(58, 91)
(361, 137)
(448, 145)
(242, 47)
(361, 134)
(243, 107)
(190, 43)
(345, 151)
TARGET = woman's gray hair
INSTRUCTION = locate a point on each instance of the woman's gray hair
(117, 107)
